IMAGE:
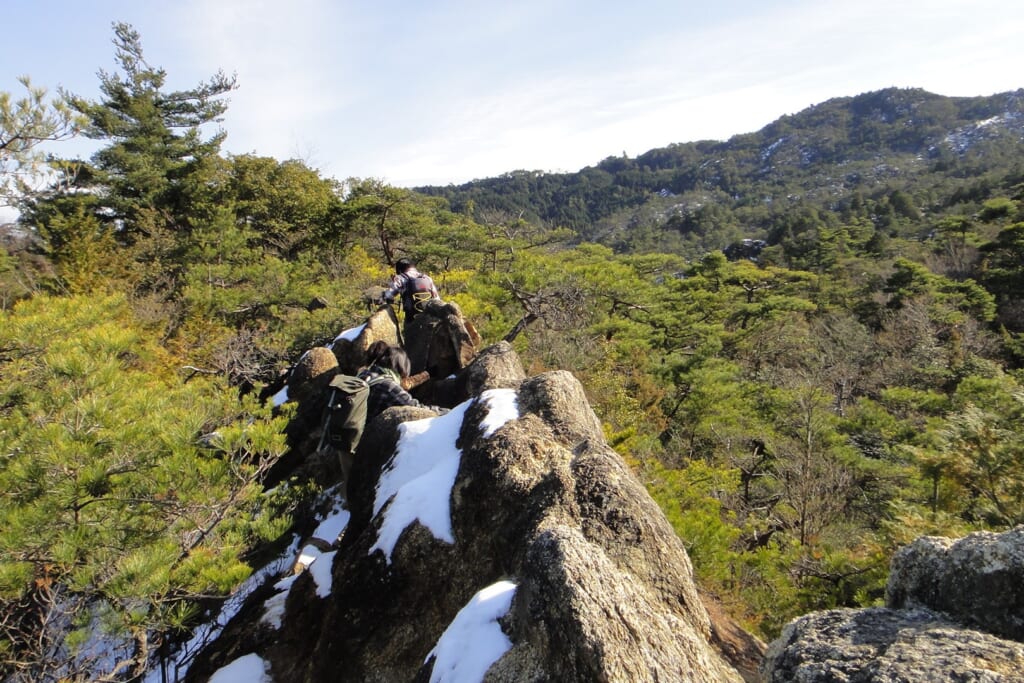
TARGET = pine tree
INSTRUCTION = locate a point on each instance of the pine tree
(129, 493)
(25, 124)
(287, 204)
(155, 138)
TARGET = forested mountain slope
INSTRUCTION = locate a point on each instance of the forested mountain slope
(892, 155)
(797, 415)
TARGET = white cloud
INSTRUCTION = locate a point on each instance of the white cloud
(430, 93)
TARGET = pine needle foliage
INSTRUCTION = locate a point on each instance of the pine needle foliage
(122, 484)
(798, 411)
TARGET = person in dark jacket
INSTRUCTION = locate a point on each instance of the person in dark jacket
(414, 287)
(389, 365)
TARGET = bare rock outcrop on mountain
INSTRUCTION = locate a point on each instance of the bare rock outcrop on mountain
(350, 346)
(497, 367)
(882, 645)
(440, 340)
(978, 580)
(955, 612)
(441, 343)
(511, 506)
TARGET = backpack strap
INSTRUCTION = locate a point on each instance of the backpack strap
(421, 290)
(348, 384)
(374, 378)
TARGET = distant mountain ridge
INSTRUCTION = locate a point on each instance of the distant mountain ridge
(870, 145)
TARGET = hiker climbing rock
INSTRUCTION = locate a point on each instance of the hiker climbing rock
(414, 287)
(389, 365)
(344, 420)
(355, 400)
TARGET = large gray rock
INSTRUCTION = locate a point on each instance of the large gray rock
(312, 373)
(882, 645)
(603, 587)
(978, 580)
(497, 367)
(955, 613)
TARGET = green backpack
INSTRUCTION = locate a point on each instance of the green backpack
(345, 416)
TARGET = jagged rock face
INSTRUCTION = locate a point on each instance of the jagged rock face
(881, 645)
(601, 587)
(350, 350)
(312, 373)
(955, 612)
(440, 340)
(978, 579)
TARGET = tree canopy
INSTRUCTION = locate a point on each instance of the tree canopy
(848, 377)
(25, 124)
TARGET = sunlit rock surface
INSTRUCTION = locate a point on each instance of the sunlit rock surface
(504, 538)
(954, 613)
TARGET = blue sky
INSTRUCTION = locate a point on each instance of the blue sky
(442, 91)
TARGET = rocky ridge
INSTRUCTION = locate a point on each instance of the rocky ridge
(506, 541)
(513, 502)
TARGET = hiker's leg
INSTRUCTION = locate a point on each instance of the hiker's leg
(345, 459)
(350, 435)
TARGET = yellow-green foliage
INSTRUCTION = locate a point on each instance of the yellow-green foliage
(687, 496)
(755, 584)
(790, 416)
(118, 477)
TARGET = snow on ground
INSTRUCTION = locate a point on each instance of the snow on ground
(502, 408)
(247, 669)
(474, 640)
(328, 529)
(273, 608)
(280, 397)
(419, 478)
(349, 335)
(316, 561)
(335, 521)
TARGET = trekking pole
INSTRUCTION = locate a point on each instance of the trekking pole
(327, 419)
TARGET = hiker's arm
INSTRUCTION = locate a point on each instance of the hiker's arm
(397, 396)
(397, 283)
